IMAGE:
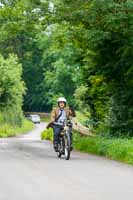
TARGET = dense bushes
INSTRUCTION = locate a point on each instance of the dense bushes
(11, 98)
(102, 31)
(8, 130)
(11, 91)
(64, 51)
(47, 134)
(11, 85)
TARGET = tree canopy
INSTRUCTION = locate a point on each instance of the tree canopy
(78, 49)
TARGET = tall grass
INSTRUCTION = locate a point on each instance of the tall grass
(11, 115)
(12, 122)
(116, 149)
(47, 134)
(7, 130)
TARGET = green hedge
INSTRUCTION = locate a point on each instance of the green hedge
(116, 149)
(47, 134)
(7, 130)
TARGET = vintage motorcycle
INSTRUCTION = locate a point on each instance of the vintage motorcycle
(64, 146)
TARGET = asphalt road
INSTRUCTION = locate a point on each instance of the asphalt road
(30, 170)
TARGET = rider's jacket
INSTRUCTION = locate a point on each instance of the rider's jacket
(56, 111)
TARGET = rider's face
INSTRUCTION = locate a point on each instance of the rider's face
(61, 104)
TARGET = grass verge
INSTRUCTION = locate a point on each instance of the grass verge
(115, 149)
(7, 130)
(45, 119)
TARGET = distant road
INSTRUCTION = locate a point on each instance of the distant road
(30, 170)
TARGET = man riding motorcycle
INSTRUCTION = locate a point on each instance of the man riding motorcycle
(58, 116)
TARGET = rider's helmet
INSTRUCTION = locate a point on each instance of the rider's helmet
(61, 99)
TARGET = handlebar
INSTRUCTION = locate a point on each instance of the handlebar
(64, 123)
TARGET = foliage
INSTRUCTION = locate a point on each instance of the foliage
(60, 82)
(116, 149)
(45, 119)
(26, 30)
(20, 22)
(102, 30)
(82, 117)
(7, 130)
(83, 54)
(47, 134)
(11, 85)
(61, 71)
(11, 91)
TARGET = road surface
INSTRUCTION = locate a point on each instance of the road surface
(30, 170)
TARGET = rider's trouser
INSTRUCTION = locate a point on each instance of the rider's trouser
(57, 129)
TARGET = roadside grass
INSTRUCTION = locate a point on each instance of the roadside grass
(45, 119)
(115, 149)
(7, 130)
(47, 134)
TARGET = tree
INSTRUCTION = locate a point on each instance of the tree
(20, 23)
(11, 89)
(103, 30)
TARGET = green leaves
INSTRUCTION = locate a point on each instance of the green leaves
(71, 47)
(12, 89)
(102, 30)
(11, 85)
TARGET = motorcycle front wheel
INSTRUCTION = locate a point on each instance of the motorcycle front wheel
(67, 147)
